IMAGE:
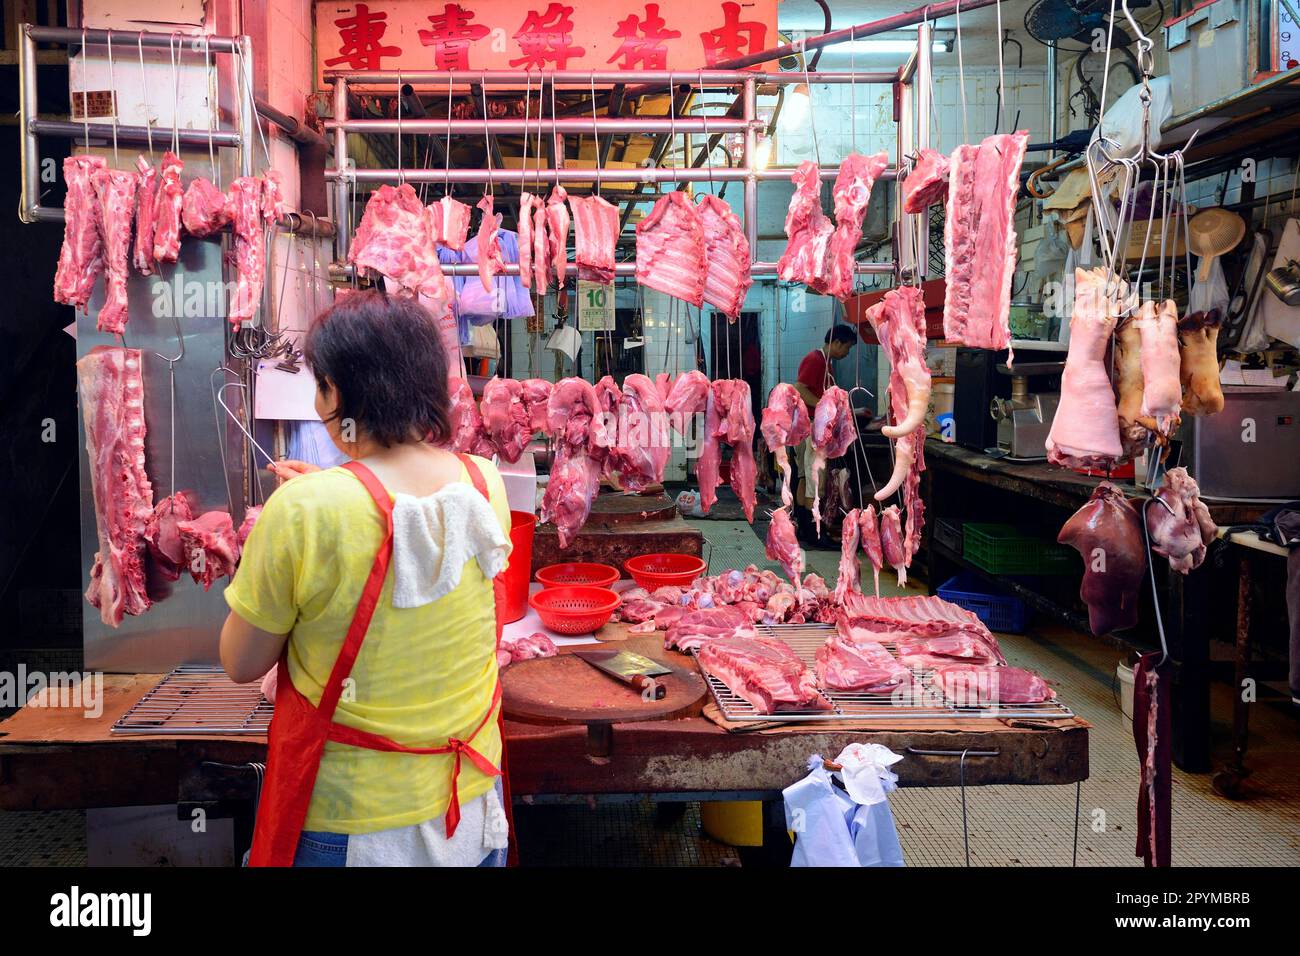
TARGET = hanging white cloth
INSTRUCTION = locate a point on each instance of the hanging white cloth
(852, 826)
(436, 535)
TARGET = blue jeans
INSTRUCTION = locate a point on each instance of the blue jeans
(319, 848)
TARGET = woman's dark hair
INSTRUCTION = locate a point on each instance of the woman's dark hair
(385, 357)
(841, 333)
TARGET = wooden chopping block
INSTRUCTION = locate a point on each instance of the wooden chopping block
(567, 690)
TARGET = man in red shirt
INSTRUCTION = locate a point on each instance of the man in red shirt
(815, 375)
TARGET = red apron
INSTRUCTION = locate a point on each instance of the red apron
(299, 731)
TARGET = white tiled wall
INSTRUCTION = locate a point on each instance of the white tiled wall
(861, 117)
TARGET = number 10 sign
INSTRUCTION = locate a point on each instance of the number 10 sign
(595, 307)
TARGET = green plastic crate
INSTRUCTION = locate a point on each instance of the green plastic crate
(1004, 549)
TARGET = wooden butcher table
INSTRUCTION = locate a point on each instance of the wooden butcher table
(56, 758)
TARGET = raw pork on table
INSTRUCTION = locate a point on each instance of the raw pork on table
(729, 417)
(81, 258)
(698, 627)
(851, 193)
(1085, 430)
(765, 672)
(786, 423)
(861, 616)
(966, 647)
(807, 230)
(115, 207)
(112, 408)
(670, 249)
(525, 648)
(211, 547)
(727, 279)
(595, 236)
(394, 240)
(973, 685)
(979, 240)
(867, 668)
(833, 431)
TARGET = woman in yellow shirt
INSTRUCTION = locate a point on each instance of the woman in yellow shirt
(405, 735)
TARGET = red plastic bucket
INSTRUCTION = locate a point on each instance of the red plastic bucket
(518, 572)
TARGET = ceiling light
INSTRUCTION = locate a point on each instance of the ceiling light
(763, 153)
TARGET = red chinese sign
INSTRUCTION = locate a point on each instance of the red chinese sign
(686, 35)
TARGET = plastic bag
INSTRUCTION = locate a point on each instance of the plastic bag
(1122, 124)
(1210, 294)
(1253, 338)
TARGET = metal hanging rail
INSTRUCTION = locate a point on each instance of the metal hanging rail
(344, 176)
(88, 133)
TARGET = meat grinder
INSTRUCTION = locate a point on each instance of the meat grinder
(1025, 418)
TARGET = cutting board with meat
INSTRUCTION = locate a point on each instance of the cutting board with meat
(567, 690)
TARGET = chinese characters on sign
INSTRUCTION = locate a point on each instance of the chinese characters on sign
(544, 35)
(360, 40)
(451, 36)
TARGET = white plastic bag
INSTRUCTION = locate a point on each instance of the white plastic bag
(1253, 338)
(1211, 293)
(1122, 124)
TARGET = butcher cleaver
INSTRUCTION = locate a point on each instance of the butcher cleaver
(631, 668)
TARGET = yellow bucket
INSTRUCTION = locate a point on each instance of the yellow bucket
(735, 822)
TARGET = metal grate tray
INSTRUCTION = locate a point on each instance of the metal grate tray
(198, 699)
(922, 700)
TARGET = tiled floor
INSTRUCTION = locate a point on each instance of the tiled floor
(1008, 826)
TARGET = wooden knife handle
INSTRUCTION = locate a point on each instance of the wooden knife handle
(643, 683)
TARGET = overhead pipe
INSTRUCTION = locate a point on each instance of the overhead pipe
(339, 272)
(296, 130)
(572, 125)
(576, 174)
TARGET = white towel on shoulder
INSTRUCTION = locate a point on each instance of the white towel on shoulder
(434, 537)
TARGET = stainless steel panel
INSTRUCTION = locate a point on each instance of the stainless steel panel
(184, 626)
(1251, 449)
